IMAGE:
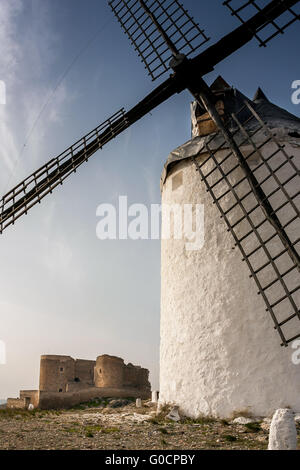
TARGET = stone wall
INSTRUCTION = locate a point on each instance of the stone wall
(32, 395)
(111, 371)
(136, 376)
(84, 371)
(17, 403)
(56, 372)
(77, 386)
(55, 400)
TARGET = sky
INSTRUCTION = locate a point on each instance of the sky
(68, 66)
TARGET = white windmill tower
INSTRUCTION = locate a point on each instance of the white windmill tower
(219, 354)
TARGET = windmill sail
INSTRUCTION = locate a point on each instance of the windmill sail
(273, 263)
(42, 182)
(35, 187)
(176, 22)
(244, 9)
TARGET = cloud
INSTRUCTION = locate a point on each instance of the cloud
(10, 54)
(28, 54)
(29, 51)
(9, 58)
(60, 260)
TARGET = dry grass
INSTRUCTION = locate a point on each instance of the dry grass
(104, 428)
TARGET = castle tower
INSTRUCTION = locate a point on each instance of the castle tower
(55, 373)
(219, 351)
(109, 371)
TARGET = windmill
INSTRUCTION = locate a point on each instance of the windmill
(165, 37)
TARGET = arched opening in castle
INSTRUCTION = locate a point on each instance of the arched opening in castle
(65, 382)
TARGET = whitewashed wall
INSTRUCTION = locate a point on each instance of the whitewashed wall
(219, 351)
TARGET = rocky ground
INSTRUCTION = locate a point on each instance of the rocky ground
(118, 424)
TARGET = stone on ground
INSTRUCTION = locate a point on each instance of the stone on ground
(283, 433)
(138, 403)
(118, 403)
(266, 423)
(174, 414)
(243, 420)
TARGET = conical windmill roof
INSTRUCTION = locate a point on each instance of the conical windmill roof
(273, 115)
(285, 125)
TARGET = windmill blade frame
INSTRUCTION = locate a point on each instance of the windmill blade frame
(208, 59)
(42, 182)
(271, 28)
(35, 187)
(185, 34)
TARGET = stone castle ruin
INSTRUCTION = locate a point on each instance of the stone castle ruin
(65, 382)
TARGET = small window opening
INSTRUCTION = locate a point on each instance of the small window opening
(294, 134)
(60, 390)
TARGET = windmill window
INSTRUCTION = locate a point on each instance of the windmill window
(60, 390)
(294, 134)
(77, 379)
(61, 369)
